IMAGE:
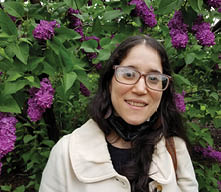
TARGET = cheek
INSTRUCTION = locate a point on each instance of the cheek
(156, 99)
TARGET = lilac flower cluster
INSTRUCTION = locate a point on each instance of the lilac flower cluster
(203, 32)
(45, 30)
(84, 90)
(214, 3)
(145, 13)
(1, 73)
(75, 22)
(40, 99)
(179, 100)
(178, 30)
(219, 10)
(7, 134)
(209, 152)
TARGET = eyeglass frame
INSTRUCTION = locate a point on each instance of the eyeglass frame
(141, 74)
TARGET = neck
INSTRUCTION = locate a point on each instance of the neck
(117, 141)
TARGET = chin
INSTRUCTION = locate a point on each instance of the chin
(134, 122)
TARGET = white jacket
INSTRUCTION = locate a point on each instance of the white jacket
(80, 162)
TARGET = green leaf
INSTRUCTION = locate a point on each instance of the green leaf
(71, 3)
(196, 4)
(3, 54)
(13, 87)
(189, 58)
(21, 51)
(214, 95)
(33, 62)
(168, 6)
(64, 34)
(55, 45)
(89, 46)
(105, 41)
(14, 8)
(148, 3)
(49, 143)
(8, 104)
(6, 187)
(28, 138)
(104, 54)
(69, 79)
(110, 15)
(217, 123)
(13, 75)
(80, 3)
(66, 60)
(7, 25)
(181, 80)
(21, 188)
(48, 69)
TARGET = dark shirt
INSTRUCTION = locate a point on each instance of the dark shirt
(120, 157)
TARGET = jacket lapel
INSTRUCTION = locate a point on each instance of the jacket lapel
(89, 154)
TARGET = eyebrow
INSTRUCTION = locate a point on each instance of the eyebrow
(151, 70)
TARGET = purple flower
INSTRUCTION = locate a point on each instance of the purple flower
(1, 73)
(180, 103)
(219, 185)
(34, 111)
(84, 90)
(13, 18)
(45, 95)
(89, 3)
(178, 31)
(7, 133)
(179, 40)
(75, 22)
(203, 33)
(40, 99)
(209, 152)
(145, 13)
(45, 30)
(98, 66)
(219, 10)
(214, 3)
(219, 56)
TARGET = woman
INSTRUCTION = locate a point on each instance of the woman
(123, 147)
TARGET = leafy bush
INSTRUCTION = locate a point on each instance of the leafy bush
(67, 42)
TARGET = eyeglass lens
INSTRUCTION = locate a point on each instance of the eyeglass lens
(130, 76)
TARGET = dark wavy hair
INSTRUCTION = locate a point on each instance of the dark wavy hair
(137, 171)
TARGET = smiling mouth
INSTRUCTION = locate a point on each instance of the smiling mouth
(136, 104)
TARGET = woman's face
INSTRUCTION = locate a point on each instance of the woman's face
(137, 103)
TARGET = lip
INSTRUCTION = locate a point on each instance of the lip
(128, 101)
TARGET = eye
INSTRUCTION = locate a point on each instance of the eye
(128, 73)
(154, 79)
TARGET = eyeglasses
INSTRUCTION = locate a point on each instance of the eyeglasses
(129, 76)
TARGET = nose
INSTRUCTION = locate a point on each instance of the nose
(140, 87)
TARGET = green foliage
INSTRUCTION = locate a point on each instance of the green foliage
(64, 59)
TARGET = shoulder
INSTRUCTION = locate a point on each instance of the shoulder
(180, 144)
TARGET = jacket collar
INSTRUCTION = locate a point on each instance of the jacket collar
(91, 160)
(89, 154)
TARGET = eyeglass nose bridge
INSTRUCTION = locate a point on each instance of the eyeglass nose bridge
(145, 76)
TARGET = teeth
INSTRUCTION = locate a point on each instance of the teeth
(136, 104)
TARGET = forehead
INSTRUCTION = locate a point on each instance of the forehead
(143, 58)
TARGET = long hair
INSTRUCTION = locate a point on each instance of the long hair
(137, 170)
